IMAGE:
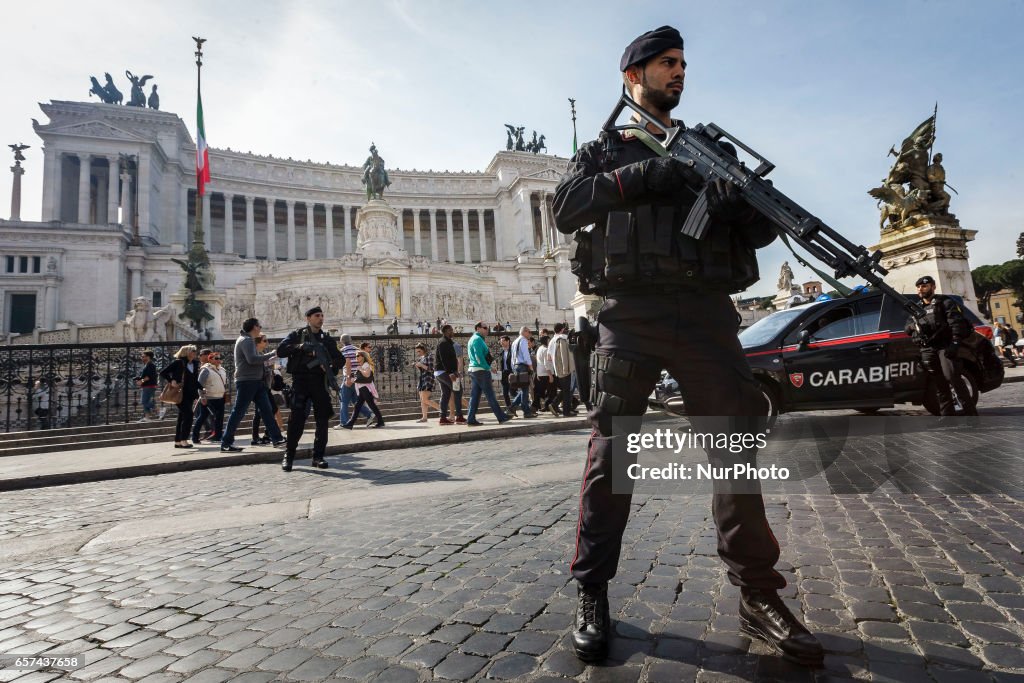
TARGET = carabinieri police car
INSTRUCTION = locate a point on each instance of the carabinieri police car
(847, 353)
(853, 353)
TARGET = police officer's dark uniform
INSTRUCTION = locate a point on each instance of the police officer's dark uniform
(939, 335)
(666, 305)
(306, 352)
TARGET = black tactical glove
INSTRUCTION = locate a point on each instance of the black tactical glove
(725, 202)
(953, 351)
(668, 174)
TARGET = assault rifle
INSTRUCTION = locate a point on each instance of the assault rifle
(582, 342)
(698, 148)
(320, 359)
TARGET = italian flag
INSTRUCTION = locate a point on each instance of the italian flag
(202, 153)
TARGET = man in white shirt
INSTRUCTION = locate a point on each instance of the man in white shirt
(522, 365)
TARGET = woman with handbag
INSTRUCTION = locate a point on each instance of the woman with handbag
(425, 364)
(270, 378)
(181, 377)
(366, 391)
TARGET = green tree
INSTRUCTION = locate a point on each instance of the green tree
(990, 279)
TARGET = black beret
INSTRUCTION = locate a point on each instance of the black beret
(925, 280)
(315, 309)
(650, 44)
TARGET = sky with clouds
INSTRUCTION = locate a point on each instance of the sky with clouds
(822, 89)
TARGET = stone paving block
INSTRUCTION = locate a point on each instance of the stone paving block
(390, 646)
(453, 633)
(363, 668)
(247, 658)
(196, 661)
(145, 667)
(210, 676)
(938, 633)
(183, 648)
(315, 668)
(397, 674)
(427, 656)
(459, 667)
(485, 644)
(147, 647)
(99, 668)
(976, 612)
(512, 667)
(531, 643)
(1004, 656)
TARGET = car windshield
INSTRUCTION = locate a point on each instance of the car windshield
(766, 329)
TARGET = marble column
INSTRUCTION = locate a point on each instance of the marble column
(229, 223)
(84, 170)
(483, 235)
(250, 227)
(186, 239)
(207, 227)
(126, 198)
(466, 252)
(18, 171)
(433, 234)
(101, 194)
(143, 190)
(290, 205)
(136, 284)
(51, 184)
(271, 229)
(329, 226)
(112, 176)
(451, 235)
(551, 290)
(50, 303)
(348, 229)
(417, 250)
(310, 235)
(499, 250)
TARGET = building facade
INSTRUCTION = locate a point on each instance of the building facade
(119, 204)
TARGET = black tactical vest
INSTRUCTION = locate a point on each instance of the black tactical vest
(641, 245)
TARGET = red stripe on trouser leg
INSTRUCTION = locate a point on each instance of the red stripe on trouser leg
(583, 486)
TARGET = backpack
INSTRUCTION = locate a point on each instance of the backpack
(1011, 336)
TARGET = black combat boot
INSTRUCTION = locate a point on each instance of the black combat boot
(286, 463)
(319, 462)
(593, 624)
(764, 615)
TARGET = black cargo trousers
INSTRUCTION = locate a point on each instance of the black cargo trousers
(309, 390)
(693, 336)
(946, 372)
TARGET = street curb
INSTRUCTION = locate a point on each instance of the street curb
(457, 436)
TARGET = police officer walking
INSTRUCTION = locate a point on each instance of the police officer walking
(666, 305)
(313, 361)
(939, 335)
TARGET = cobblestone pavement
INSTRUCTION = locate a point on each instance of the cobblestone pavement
(473, 586)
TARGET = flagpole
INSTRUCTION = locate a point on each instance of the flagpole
(572, 106)
(198, 236)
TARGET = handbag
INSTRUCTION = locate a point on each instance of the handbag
(519, 379)
(171, 394)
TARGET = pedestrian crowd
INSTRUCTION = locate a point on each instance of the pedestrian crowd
(536, 372)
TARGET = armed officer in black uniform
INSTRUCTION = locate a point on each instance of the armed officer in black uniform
(939, 335)
(666, 305)
(313, 361)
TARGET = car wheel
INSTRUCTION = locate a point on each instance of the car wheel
(771, 398)
(931, 397)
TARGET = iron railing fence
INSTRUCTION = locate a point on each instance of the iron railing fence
(45, 386)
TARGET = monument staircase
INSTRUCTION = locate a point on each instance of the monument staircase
(41, 441)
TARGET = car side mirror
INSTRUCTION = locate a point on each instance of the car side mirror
(803, 339)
